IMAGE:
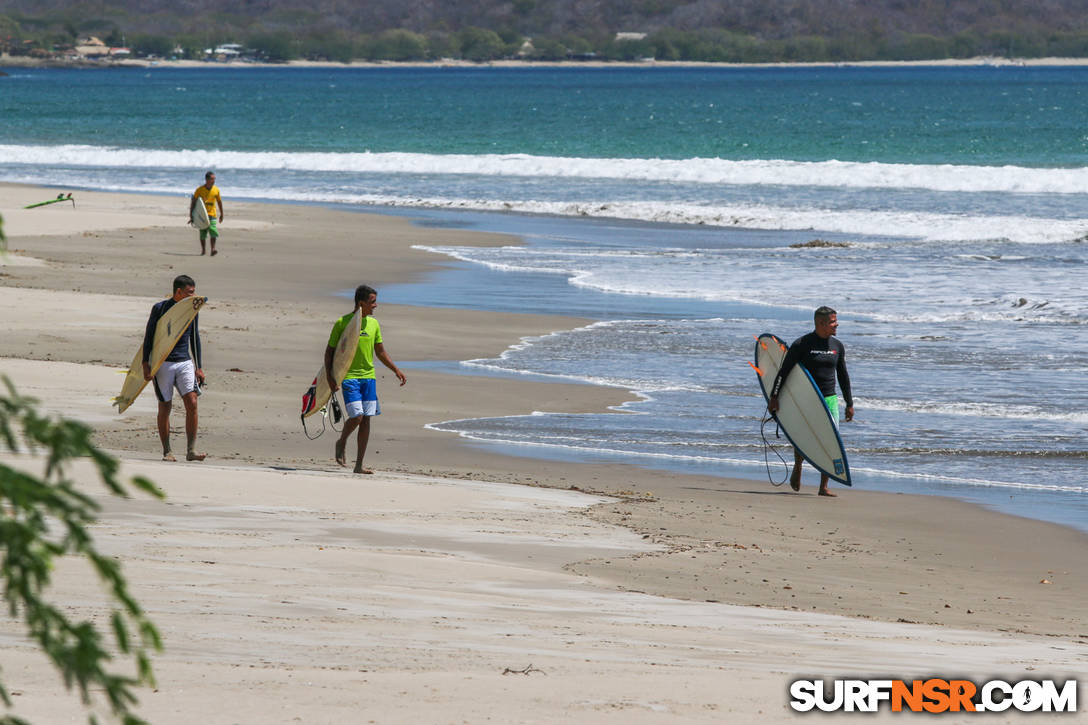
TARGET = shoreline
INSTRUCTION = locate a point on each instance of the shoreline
(575, 455)
(724, 539)
(982, 61)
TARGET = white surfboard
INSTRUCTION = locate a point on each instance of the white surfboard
(200, 217)
(317, 397)
(802, 413)
(168, 331)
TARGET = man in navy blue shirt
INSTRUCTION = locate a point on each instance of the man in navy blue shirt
(181, 371)
(821, 353)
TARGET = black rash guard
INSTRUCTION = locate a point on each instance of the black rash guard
(824, 359)
(189, 339)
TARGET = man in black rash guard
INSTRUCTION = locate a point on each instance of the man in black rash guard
(181, 371)
(821, 353)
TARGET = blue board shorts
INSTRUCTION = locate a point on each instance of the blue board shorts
(832, 403)
(361, 397)
(214, 229)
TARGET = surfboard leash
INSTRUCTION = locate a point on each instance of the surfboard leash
(769, 447)
(337, 415)
(306, 431)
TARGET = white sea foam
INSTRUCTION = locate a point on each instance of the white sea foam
(964, 481)
(459, 427)
(956, 294)
(639, 388)
(936, 177)
(974, 410)
(804, 219)
(862, 222)
(451, 426)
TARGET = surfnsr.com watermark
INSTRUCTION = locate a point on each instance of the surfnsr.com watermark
(934, 696)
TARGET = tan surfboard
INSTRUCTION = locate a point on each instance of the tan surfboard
(171, 327)
(317, 397)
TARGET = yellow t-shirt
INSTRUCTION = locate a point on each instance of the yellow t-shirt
(209, 197)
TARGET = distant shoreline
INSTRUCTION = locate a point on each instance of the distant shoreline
(7, 61)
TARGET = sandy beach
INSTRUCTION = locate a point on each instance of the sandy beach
(291, 591)
(28, 62)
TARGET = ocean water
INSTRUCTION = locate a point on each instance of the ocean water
(677, 208)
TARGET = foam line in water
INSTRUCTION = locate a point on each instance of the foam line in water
(804, 220)
(452, 426)
(877, 175)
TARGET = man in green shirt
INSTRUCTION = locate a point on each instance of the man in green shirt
(360, 384)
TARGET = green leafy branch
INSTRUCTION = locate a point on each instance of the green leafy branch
(45, 518)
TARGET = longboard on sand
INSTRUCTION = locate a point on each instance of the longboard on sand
(317, 396)
(171, 327)
(60, 197)
(200, 217)
(802, 413)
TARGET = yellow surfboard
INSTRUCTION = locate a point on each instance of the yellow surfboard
(171, 327)
(317, 397)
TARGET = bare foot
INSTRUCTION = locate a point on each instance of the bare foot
(168, 457)
(795, 479)
(191, 456)
(363, 470)
(214, 252)
(825, 492)
(340, 446)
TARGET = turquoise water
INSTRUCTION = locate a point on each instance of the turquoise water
(667, 205)
(914, 115)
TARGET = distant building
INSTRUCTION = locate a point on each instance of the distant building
(92, 47)
(630, 36)
(225, 52)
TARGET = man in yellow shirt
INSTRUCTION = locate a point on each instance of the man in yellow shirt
(208, 194)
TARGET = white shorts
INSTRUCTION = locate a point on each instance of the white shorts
(174, 375)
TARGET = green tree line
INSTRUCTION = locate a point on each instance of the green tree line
(21, 34)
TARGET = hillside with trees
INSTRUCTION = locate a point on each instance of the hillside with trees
(481, 30)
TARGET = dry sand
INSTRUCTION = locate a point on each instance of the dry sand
(289, 591)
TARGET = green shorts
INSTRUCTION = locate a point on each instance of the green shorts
(214, 229)
(832, 403)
